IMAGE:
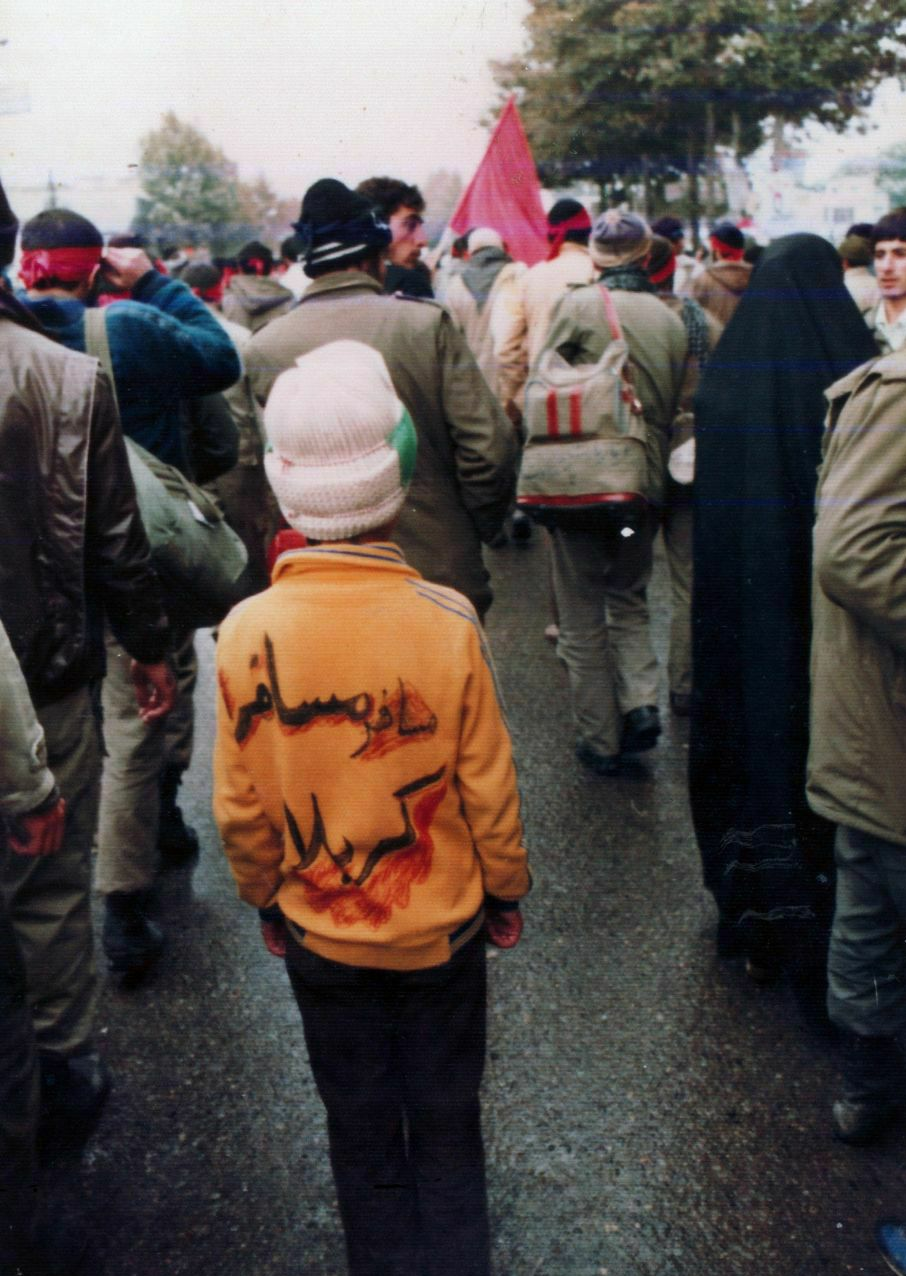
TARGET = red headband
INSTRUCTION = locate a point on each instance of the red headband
(557, 234)
(69, 265)
(728, 253)
(666, 272)
(213, 294)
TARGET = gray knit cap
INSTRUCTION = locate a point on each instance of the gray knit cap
(618, 238)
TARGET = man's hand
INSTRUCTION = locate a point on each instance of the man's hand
(274, 936)
(124, 267)
(503, 926)
(40, 834)
(155, 687)
(514, 412)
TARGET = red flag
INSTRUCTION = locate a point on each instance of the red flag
(505, 193)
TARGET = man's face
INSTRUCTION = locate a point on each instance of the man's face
(409, 237)
(890, 267)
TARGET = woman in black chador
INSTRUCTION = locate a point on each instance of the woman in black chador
(759, 416)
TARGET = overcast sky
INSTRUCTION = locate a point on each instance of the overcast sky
(344, 88)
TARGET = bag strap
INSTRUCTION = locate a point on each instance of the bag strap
(97, 343)
(610, 310)
(613, 319)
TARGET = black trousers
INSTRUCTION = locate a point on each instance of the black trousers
(18, 1094)
(397, 1057)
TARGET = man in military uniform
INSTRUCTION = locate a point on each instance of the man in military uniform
(467, 450)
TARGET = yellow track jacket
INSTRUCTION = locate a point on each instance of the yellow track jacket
(363, 773)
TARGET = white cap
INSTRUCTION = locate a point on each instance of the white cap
(339, 464)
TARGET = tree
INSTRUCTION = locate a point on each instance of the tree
(262, 214)
(189, 188)
(632, 91)
(892, 174)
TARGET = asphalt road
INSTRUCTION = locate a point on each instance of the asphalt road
(648, 1110)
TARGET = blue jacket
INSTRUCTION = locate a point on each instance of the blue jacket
(164, 346)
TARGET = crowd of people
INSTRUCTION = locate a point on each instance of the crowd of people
(360, 418)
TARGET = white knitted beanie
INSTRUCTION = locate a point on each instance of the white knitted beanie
(343, 445)
(484, 237)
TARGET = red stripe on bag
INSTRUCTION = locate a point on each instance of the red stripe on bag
(553, 422)
(575, 412)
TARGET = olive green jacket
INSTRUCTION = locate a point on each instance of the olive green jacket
(465, 474)
(857, 758)
(658, 350)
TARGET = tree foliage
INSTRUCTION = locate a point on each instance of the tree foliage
(638, 89)
(191, 194)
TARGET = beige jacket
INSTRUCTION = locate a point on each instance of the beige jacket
(465, 473)
(522, 319)
(857, 759)
(477, 326)
(658, 355)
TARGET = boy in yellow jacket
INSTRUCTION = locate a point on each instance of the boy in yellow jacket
(367, 801)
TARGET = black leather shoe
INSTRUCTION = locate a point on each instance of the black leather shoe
(600, 763)
(75, 1087)
(641, 728)
(132, 942)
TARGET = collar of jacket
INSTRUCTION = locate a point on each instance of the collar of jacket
(342, 556)
(342, 280)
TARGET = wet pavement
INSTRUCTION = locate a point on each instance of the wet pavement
(649, 1111)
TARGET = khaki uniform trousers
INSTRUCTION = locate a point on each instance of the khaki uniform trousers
(48, 897)
(136, 753)
(600, 583)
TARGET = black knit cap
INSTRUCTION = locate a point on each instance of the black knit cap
(729, 235)
(668, 228)
(60, 228)
(338, 227)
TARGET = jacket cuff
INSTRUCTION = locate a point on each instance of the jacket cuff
(151, 282)
(272, 913)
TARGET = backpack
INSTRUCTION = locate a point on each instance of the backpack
(585, 460)
(200, 560)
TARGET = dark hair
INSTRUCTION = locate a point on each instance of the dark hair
(202, 275)
(387, 194)
(291, 248)
(668, 228)
(460, 245)
(862, 229)
(728, 234)
(251, 254)
(60, 228)
(561, 211)
(891, 226)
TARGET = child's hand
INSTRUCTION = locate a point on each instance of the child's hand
(503, 927)
(274, 936)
